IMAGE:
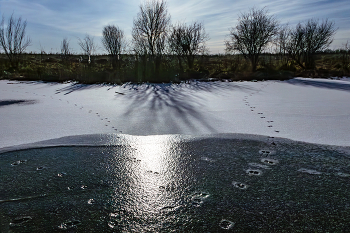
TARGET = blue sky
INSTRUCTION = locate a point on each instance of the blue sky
(49, 21)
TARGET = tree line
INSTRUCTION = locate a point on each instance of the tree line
(156, 43)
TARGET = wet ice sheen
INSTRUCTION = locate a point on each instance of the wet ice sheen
(174, 184)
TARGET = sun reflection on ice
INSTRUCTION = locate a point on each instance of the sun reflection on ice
(154, 172)
(155, 175)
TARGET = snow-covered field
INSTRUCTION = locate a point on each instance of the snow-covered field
(310, 110)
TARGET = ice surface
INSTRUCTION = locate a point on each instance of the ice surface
(310, 110)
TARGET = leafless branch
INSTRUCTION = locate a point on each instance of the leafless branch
(113, 40)
(307, 39)
(88, 46)
(151, 27)
(254, 31)
(188, 41)
(65, 50)
(12, 38)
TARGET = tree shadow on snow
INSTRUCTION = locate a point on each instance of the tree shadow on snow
(80, 87)
(4, 103)
(177, 108)
(341, 86)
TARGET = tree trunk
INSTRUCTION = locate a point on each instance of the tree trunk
(190, 61)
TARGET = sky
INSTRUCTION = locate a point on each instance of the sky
(50, 21)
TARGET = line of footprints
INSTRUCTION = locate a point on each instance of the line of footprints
(107, 121)
(252, 108)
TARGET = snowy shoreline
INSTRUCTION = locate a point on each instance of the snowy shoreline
(300, 109)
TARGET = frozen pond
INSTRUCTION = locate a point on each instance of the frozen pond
(170, 183)
(309, 110)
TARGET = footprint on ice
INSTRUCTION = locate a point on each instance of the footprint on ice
(266, 152)
(69, 225)
(39, 168)
(20, 221)
(226, 224)
(270, 161)
(254, 172)
(61, 174)
(309, 171)
(91, 201)
(18, 162)
(239, 185)
(198, 198)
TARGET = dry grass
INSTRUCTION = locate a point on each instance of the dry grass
(53, 67)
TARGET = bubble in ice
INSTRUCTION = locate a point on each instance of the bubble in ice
(170, 208)
(341, 174)
(309, 171)
(269, 161)
(254, 172)
(20, 221)
(239, 185)
(207, 159)
(226, 224)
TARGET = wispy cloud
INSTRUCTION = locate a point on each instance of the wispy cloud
(49, 21)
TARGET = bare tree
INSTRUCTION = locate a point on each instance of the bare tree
(254, 31)
(88, 46)
(346, 56)
(187, 42)
(281, 42)
(307, 39)
(114, 42)
(150, 31)
(13, 38)
(65, 50)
